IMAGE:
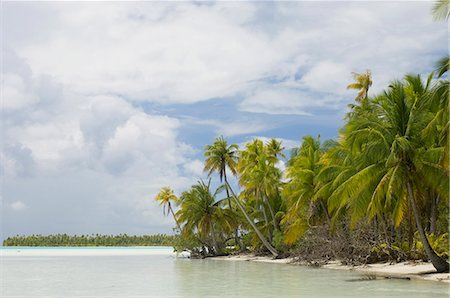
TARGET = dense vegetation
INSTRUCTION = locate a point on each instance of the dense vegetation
(377, 192)
(91, 240)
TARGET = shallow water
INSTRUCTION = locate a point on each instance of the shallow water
(156, 272)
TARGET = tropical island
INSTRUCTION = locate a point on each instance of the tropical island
(62, 240)
(377, 193)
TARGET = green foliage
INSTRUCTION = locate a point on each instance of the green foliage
(91, 240)
(278, 241)
(387, 171)
(440, 244)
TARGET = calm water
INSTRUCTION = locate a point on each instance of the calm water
(157, 273)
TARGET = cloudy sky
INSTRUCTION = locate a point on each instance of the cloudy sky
(104, 103)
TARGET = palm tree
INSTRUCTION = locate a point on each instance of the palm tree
(201, 214)
(393, 164)
(363, 81)
(274, 150)
(218, 157)
(301, 192)
(165, 196)
(259, 175)
(263, 239)
(442, 65)
(441, 10)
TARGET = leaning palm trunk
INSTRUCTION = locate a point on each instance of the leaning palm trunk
(266, 220)
(439, 263)
(266, 243)
(236, 233)
(272, 214)
(175, 218)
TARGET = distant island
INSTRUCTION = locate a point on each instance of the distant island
(91, 240)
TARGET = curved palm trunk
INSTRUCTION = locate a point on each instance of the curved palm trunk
(236, 232)
(266, 220)
(272, 214)
(439, 263)
(175, 218)
(434, 213)
(266, 243)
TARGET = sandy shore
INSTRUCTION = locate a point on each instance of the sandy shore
(404, 270)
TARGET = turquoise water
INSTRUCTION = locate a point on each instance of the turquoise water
(156, 272)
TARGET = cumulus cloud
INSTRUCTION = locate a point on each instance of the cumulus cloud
(88, 162)
(194, 167)
(17, 206)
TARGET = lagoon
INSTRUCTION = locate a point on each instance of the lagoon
(157, 272)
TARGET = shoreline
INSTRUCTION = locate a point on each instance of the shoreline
(404, 270)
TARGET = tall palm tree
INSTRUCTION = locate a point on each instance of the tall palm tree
(263, 239)
(218, 157)
(275, 149)
(201, 214)
(259, 175)
(301, 192)
(165, 196)
(363, 81)
(393, 164)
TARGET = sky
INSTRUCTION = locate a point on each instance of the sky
(104, 103)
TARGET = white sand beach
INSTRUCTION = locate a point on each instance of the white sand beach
(403, 270)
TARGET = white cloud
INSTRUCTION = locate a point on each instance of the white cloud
(327, 76)
(194, 167)
(173, 52)
(92, 162)
(17, 206)
(15, 94)
(163, 53)
(232, 128)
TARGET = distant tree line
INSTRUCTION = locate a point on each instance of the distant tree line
(91, 240)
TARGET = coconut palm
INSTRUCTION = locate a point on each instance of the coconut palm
(275, 149)
(218, 158)
(259, 174)
(263, 239)
(165, 196)
(264, 182)
(301, 192)
(201, 213)
(393, 164)
(363, 81)
(442, 66)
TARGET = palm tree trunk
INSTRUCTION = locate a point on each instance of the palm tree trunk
(175, 218)
(236, 232)
(410, 229)
(213, 236)
(439, 263)
(266, 220)
(326, 212)
(272, 250)
(272, 214)
(433, 216)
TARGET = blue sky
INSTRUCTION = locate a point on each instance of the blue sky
(104, 103)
